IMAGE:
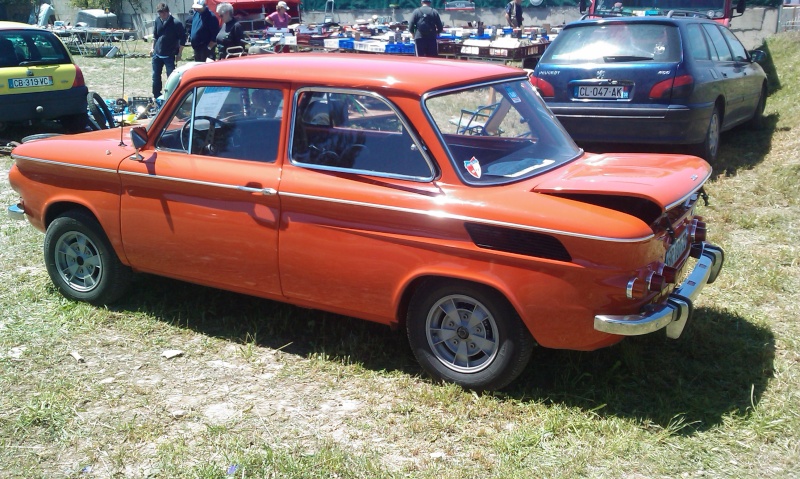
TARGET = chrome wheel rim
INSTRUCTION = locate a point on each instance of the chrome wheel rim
(713, 135)
(462, 334)
(78, 261)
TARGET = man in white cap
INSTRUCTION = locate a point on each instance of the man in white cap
(426, 26)
(205, 27)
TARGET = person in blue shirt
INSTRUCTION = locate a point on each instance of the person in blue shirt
(169, 37)
(205, 27)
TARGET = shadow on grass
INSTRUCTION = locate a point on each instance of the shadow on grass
(720, 366)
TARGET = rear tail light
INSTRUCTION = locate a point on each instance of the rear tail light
(669, 273)
(545, 88)
(678, 87)
(697, 231)
(656, 282)
(79, 81)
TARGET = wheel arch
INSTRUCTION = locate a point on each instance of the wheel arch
(58, 208)
(432, 279)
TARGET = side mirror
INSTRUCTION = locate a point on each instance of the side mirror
(139, 139)
(740, 7)
(582, 6)
(758, 56)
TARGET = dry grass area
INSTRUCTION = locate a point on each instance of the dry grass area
(260, 389)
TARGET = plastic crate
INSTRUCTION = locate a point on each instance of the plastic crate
(346, 43)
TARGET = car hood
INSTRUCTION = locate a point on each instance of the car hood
(661, 179)
(101, 149)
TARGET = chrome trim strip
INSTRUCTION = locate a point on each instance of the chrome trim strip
(676, 203)
(443, 215)
(182, 180)
(59, 163)
(676, 311)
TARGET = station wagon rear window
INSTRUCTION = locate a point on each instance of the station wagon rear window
(615, 43)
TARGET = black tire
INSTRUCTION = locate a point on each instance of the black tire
(758, 121)
(75, 123)
(99, 111)
(483, 352)
(709, 148)
(81, 262)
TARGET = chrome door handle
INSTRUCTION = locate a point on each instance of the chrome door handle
(263, 191)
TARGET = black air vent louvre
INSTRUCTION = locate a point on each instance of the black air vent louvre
(515, 241)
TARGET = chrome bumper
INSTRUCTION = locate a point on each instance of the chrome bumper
(16, 212)
(675, 313)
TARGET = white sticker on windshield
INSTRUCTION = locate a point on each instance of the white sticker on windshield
(473, 167)
(210, 103)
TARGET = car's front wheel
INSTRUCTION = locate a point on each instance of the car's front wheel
(467, 334)
(81, 262)
(709, 148)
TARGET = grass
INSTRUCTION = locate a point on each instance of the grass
(263, 389)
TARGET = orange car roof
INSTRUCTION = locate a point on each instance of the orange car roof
(354, 70)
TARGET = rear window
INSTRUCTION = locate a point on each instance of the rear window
(615, 43)
(20, 48)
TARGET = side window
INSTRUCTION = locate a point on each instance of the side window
(697, 43)
(739, 52)
(226, 122)
(354, 131)
(719, 43)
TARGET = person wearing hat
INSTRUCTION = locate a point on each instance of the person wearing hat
(426, 26)
(169, 37)
(204, 31)
(280, 17)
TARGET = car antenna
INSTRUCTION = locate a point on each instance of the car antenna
(122, 120)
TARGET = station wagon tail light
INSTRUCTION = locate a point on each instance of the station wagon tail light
(79, 81)
(697, 230)
(678, 87)
(545, 88)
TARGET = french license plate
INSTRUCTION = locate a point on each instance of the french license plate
(605, 92)
(677, 249)
(29, 82)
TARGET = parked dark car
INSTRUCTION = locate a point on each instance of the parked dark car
(655, 80)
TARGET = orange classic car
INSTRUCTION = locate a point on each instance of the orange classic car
(438, 196)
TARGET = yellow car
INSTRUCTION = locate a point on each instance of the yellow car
(38, 78)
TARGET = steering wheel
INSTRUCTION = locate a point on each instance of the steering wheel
(208, 145)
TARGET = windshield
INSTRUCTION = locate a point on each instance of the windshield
(615, 43)
(500, 132)
(712, 8)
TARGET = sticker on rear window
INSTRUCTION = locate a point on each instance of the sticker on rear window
(473, 167)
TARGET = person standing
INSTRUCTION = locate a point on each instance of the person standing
(514, 13)
(280, 17)
(231, 34)
(169, 37)
(204, 31)
(426, 26)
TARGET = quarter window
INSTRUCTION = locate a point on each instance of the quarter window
(720, 46)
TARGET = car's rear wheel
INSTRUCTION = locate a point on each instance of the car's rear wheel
(81, 262)
(467, 334)
(709, 148)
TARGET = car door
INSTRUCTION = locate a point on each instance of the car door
(354, 204)
(732, 74)
(751, 78)
(201, 204)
